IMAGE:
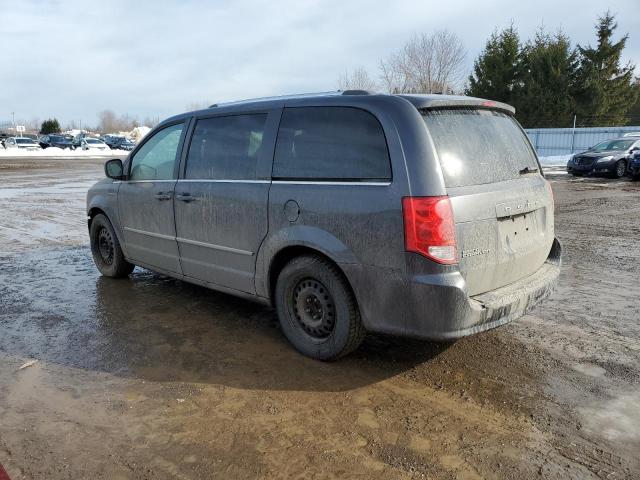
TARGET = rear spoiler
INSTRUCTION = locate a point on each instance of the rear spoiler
(430, 102)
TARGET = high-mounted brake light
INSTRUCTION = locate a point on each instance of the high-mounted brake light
(429, 228)
(488, 103)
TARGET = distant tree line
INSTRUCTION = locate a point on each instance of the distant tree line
(108, 122)
(548, 81)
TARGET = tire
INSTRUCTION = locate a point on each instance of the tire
(621, 169)
(106, 251)
(317, 310)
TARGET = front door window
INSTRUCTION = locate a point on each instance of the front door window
(156, 158)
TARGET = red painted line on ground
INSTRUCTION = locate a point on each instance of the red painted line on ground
(3, 474)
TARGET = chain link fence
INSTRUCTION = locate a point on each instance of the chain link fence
(565, 141)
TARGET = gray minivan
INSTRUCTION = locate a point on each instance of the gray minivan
(349, 212)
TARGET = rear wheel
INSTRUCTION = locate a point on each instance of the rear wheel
(106, 251)
(317, 310)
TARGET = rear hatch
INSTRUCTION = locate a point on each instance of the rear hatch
(502, 206)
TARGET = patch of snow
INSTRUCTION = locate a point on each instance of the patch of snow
(59, 152)
(555, 160)
(138, 133)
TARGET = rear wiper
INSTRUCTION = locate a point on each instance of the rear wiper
(526, 170)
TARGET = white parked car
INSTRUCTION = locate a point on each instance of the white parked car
(22, 143)
(93, 144)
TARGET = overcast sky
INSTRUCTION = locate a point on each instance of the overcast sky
(72, 59)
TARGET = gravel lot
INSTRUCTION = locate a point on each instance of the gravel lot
(150, 377)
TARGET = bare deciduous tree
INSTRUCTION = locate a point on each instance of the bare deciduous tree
(151, 121)
(358, 79)
(109, 122)
(197, 106)
(426, 64)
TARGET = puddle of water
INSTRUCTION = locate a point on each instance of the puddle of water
(617, 419)
(59, 189)
(589, 369)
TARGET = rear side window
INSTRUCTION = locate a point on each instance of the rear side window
(478, 146)
(226, 148)
(330, 143)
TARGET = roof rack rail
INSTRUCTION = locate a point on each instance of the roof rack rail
(278, 97)
(356, 92)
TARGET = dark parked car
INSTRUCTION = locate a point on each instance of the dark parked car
(58, 141)
(119, 143)
(416, 215)
(610, 157)
(634, 166)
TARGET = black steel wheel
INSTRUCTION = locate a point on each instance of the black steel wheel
(317, 310)
(106, 251)
(105, 246)
(313, 307)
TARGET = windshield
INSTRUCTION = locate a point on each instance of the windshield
(25, 141)
(92, 140)
(608, 145)
(478, 146)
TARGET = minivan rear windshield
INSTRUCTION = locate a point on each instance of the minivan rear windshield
(478, 146)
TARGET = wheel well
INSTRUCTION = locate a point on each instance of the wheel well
(93, 212)
(289, 253)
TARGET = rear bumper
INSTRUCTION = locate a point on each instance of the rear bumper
(436, 307)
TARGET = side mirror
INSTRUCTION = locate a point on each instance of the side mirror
(114, 169)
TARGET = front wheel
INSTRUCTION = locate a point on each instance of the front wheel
(106, 251)
(621, 169)
(317, 310)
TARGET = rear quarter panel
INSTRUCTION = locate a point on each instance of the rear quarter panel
(355, 223)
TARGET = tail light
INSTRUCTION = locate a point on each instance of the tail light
(429, 228)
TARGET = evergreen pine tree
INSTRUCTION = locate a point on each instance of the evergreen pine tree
(496, 71)
(548, 71)
(50, 126)
(634, 112)
(604, 92)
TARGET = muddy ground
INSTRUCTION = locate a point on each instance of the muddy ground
(150, 377)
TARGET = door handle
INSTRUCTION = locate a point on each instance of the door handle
(185, 197)
(163, 195)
